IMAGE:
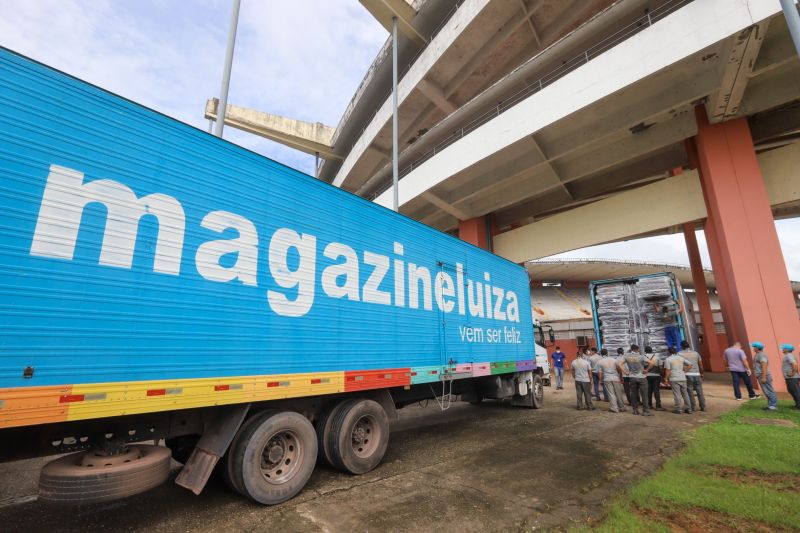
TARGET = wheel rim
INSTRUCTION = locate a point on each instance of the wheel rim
(281, 457)
(366, 436)
(99, 461)
(538, 390)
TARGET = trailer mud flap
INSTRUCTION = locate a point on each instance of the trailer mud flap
(219, 427)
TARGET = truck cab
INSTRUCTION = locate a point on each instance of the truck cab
(542, 360)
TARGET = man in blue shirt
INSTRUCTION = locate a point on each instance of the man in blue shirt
(558, 365)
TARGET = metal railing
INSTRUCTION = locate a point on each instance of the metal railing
(567, 66)
(593, 260)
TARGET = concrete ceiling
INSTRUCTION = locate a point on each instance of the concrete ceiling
(632, 137)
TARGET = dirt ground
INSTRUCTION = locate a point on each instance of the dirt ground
(472, 468)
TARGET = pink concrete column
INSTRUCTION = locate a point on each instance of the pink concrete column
(478, 231)
(713, 353)
(761, 297)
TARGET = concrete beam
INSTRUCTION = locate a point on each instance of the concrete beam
(771, 89)
(531, 25)
(384, 10)
(620, 148)
(600, 185)
(626, 214)
(552, 168)
(435, 94)
(737, 69)
(304, 136)
(444, 206)
(775, 123)
(631, 213)
(504, 32)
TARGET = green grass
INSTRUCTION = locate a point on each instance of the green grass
(689, 479)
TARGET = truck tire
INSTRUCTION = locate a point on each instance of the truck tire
(324, 430)
(226, 466)
(359, 436)
(86, 477)
(272, 456)
(537, 392)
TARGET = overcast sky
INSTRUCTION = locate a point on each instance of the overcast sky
(299, 58)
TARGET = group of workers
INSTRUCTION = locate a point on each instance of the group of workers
(636, 377)
(736, 363)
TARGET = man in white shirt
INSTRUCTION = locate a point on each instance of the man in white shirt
(674, 368)
(610, 369)
(595, 358)
(694, 376)
(581, 370)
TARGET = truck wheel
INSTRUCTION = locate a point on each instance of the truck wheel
(226, 467)
(537, 392)
(88, 477)
(359, 436)
(273, 456)
(324, 430)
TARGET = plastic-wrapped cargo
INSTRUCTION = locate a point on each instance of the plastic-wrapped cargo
(640, 310)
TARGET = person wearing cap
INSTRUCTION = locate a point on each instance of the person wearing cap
(610, 369)
(694, 376)
(581, 370)
(653, 378)
(736, 364)
(790, 373)
(674, 368)
(761, 371)
(595, 358)
(636, 367)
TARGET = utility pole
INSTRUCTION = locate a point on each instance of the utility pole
(226, 71)
(395, 178)
(793, 21)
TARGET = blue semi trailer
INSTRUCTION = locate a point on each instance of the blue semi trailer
(159, 284)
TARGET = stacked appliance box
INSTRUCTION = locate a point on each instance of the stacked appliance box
(636, 311)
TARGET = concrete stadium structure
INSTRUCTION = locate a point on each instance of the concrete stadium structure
(534, 127)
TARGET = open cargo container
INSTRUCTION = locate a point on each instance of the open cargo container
(639, 310)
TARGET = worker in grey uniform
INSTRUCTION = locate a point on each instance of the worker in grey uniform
(694, 377)
(636, 366)
(675, 367)
(581, 370)
(653, 379)
(595, 358)
(763, 375)
(791, 373)
(610, 369)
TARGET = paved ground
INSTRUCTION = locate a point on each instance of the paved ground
(472, 468)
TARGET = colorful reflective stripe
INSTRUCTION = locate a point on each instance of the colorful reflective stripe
(68, 398)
